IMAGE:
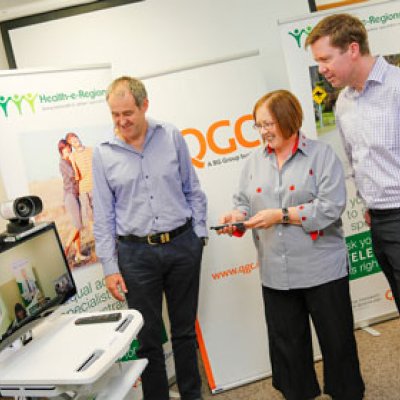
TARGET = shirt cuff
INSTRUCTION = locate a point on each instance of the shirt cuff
(238, 233)
(305, 214)
(110, 266)
(200, 231)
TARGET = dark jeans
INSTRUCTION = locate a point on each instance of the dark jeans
(385, 234)
(172, 268)
(287, 314)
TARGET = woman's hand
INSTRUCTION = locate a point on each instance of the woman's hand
(264, 219)
(230, 218)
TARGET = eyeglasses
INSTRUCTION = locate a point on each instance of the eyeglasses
(264, 126)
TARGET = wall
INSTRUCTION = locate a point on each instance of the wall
(155, 36)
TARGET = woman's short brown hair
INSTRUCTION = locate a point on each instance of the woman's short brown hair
(285, 109)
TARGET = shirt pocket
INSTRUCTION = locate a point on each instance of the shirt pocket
(262, 195)
(302, 189)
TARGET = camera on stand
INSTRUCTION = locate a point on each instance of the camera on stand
(19, 213)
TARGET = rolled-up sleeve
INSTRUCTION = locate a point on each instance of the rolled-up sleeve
(330, 201)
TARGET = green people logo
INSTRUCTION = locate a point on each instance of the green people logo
(298, 33)
(15, 102)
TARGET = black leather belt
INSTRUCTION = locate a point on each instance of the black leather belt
(156, 238)
(383, 212)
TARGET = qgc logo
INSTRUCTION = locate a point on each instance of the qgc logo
(233, 134)
(16, 102)
(297, 34)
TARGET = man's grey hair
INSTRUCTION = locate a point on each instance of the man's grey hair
(135, 86)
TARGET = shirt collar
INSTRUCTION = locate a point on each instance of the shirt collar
(301, 144)
(152, 126)
(377, 74)
(378, 70)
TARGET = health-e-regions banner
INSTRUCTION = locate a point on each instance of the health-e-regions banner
(371, 296)
(40, 110)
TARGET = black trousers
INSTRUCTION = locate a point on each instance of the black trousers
(385, 234)
(172, 268)
(288, 315)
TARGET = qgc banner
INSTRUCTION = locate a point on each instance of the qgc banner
(212, 106)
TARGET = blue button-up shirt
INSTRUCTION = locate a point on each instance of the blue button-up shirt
(312, 179)
(369, 122)
(152, 191)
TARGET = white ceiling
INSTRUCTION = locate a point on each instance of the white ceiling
(11, 9)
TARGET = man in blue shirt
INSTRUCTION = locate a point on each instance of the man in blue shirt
(150, 228)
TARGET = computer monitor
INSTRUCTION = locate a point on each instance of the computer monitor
(34, 279)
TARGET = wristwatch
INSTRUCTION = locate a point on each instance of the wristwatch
(285, 216)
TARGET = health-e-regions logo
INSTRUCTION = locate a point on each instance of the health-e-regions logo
(18, 104)
(297, 34)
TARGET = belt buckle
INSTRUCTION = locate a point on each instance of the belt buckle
(149, 240)
(164, 238)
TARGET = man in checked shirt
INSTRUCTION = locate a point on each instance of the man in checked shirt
(368, 119)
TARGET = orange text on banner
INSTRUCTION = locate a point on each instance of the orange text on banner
(208, 141)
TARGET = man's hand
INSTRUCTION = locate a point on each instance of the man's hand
(115, 283)
(367, 217)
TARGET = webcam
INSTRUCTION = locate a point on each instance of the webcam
(19, 212)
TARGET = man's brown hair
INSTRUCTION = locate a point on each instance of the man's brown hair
(342, 29)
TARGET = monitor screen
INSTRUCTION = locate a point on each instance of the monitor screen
(34, 278)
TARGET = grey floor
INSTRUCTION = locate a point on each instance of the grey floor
(380, 365)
